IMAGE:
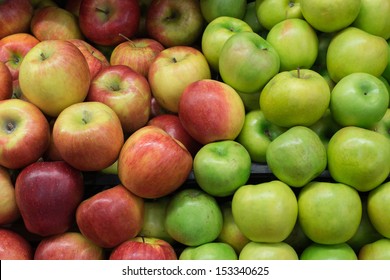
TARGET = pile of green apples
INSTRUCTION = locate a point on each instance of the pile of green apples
(195, 129)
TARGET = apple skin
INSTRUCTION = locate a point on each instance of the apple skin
(53, 75)
(209, 251)
(340, 251)
(211, 9)
(359, 99)
(250, 17)
(386, 72)
(125, 91)
(25, 134)
(152, 163)
(377, 250)
(383, 126)
(377, 207)
(210, 110)
(68, 246)
(247, 62)
(48, 194)
(14, 246)
(143, 248)
(138, 54)
(15, 9)
(5, 82)
(110, 216)
(184, 61)
(325, 127)
(101, 21)
(9, 211)
(73, 6)
(77, 124)
(330, 16)
(359, 157)
(353, 50)
(174, 23)
(268, 251)
(215, 35)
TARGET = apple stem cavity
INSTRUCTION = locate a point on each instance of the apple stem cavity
(299, 72)
(86, 117)
(10, 127)
(291, 4)
(43, 56)
(127, 39)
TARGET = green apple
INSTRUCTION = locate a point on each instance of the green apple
(250, 100)
(296, 43)
(250, 17)
(354, 50)
(317, 251)
(378, 207)
(295, 97)
(211, 9)
(215, 35)
(383, 126)
(193, 217)
(359, 99)
(270, 12)
(298, 239)
(221, 167)
(209, 251)
(330, 16)
(386, 72)
(324, 39)
(359, 157)
(256, 134)
(247, 62)
(297, 156)
(265, 212)
(387, 84)
(374, 17)
(329, 213)
(377, 250)
(268, 251)
(325, 127)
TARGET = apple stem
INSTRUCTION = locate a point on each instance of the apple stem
(10, 127)
(86, 117)
(174, 59)
(299, 72)
(291, 4)
(43, 56)
(127, 39)
(143, 239)
(102, 10)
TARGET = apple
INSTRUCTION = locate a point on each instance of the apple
(185, 62)
(110, 216)
(138, 54)
(51, 23)
(52, 153)
(247, 62)
(298, 239)
(143, 248)
(359, 99)
(25, 133)
(88, 135)
(68, 246)
(209, 251)
(216, 34)
(210, 110)
(353, 50)
(295, 97)
(221, 167)
(265, 212)
(73, 6)
(387, 84)
(5, 82)
(324, 39)
(96, 59)
(14, 246)
(144, 6)
(386, 72)
(359, 157)
(250, 17)
(330, 17)
(13, 49)
(152, 163)
(22, 10)
(193, 217)
(250, 100)
(267, 251)
(373, 18)
(39, 4)
(325, 127)
(296, 43)
(377, 250)
(174, 23)
(378, 206)
(172, 125)
(297, 156)
(271, 12)
(211, 9)
(53, 75)
(9, 211)
(48, 194)
(102, 21)
(256, 134)
(317, 251)
(383, 126)
(126, 92)
(329, 212)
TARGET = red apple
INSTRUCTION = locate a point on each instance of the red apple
(138, 54)
(9, 211)
(13, 48)
(68, 246)
(111, 216)
(88, 135)
(25, 135)
(15, 16)
(156, 109)
(144, 248)
(73, 6)
(152, 163)
(211, 110)
(126, 92)
(52, 153)
(102, 21)
(14, 246)
(5, 82)
(173, 126)
(48, 194)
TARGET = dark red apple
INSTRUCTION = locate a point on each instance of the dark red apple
(14, 246)
(15, 16)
